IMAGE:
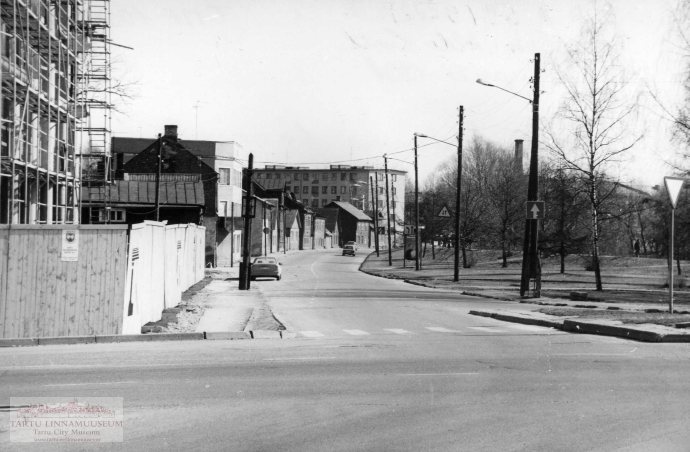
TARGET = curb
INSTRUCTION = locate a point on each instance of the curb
(151, 337)
(525, 319)
(598, 328)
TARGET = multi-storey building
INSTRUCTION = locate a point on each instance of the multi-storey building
(55, 109)
(317, 188)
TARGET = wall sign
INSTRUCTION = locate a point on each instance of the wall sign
(70, 245)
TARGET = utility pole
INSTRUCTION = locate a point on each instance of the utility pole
(416, 208)
(158, 178)
(388, 214)
(245, 273)
(531, 267)
(375, 213)
(456, 252)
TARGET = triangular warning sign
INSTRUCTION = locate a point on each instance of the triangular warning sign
(444, 212)
(673, 186)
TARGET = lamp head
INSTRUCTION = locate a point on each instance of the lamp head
(482, 82)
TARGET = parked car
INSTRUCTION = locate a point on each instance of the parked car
(266, 267)
(349, 250)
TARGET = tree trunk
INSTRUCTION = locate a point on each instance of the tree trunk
(503, 249)
(464, 256)
(595, 233)
(562, 252)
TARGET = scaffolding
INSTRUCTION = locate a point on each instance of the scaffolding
(53, 55)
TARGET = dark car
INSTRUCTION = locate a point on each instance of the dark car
(266, 267)
(349, 250)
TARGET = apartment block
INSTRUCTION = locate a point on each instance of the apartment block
(55, 108)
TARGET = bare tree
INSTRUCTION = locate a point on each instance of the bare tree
(595, 108)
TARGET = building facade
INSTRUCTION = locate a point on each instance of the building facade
(317, 188)
(55, 109)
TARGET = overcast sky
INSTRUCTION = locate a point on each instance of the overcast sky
(314, 82)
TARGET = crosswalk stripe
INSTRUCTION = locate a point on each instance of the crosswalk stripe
(519, 326)
(440, 329)
(488, 329)
(397, 331)
(356, 332)
(311, 334)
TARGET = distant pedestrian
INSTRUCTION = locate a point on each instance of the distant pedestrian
(637, 248)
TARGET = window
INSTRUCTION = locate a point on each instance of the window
(315, 203)
(305, 190)
(112, 216)
(279, 176)
(297, 176)
(324, 190)
(343, 176)
(334, 176)
(343, 189)
(324, 176)
(306, 176)
(315, 191)
(324, 202)
(288, 187)
(269, 175)
(334, 190)
(224, 176)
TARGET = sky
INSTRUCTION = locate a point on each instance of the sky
(319, 82)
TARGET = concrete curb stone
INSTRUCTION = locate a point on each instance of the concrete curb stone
(64, 340)
(265, 334)
(18, 342)
(227, 335)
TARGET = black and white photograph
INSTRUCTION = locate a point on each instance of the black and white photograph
(345, 225)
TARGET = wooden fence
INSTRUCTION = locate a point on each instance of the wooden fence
(74, 280)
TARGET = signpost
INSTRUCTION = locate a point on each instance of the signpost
(535, 210)
(444, 213)
(673, 186)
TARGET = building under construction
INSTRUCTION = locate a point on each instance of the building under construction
(55, 109)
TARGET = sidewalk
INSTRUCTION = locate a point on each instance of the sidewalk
(231, 313)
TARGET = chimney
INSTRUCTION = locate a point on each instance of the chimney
(170, 132)
(518, 155)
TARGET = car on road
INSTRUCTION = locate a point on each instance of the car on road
(266, 267)
(349, 250)
(353, 243)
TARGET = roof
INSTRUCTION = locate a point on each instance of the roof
(352, 210)
(144, 192)
(330, 214)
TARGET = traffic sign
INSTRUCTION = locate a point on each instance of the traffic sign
(673, 186)
(444, 213)
(535, 210)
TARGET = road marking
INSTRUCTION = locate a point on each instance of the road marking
(440, 329)
(518, 326)
(356, 332)
(489, 329)
(311, 334)
(397, 331)
(91, 383)
(440, 374)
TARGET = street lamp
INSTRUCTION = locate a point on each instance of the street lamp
(531, 268)
(456, 244)
(416, 208)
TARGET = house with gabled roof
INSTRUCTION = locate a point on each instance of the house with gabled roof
(350, 223)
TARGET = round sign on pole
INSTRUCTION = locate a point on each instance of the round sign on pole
(267, 230)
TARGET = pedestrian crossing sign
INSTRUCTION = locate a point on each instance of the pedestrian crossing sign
(444, 213)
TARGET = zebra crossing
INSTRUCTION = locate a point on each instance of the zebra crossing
(508, 328)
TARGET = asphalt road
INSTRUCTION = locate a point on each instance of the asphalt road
(375, 365)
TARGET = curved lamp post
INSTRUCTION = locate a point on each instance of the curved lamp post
(531, 268)
(456, 244)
